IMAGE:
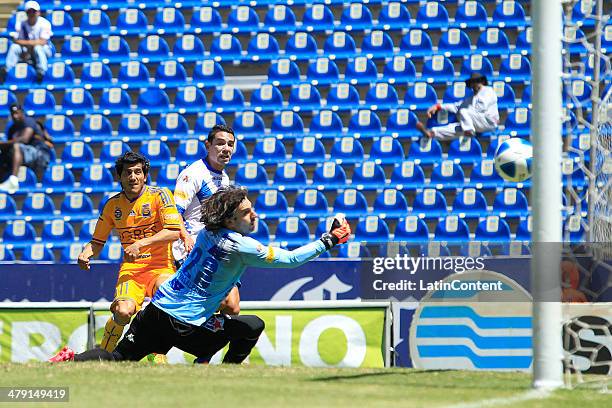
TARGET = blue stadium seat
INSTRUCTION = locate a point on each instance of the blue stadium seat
(420, 96)
(578, 94)
(252, 176)
(401, 123)
(60, 128)
(589, 60)
(280, 17)
(434, 249)
(518, 122)
(432, 15)
(340, 45)
(438, 69)
(77, 154)
(290, 176)
(208, 73)
(114, 49)
(292, 232)
(342, 96)
(509, 13)
(511, 203)
(38, 206)
(111, 151)
(153, 101)
(430, 203)
(39, 102)
(456, 92)
(6, 254)
(465, 150)
(170, 74)
(59, 233)
(416, 43)
(474, 249)
(484, 176)
(58, 178)
(188, 47)
(386, 150)
(70, 253)
(329, 175)
(77, 101)
(59, 75)
(284, 71)
(94, 22)
(27, 178)
(394, 14)
(493, 41)
(271, 204)
(133, 74)
(115, 101)
(573, 229)
(382, 96)
(301, 46)
(112, 252)
(351, 203)
(37, 253)
(205, 19)
(347, 150)
(189, 151)
(493, 229)
(354, 250)
(287, 123)
(515, 68)
(326, 123)
(8, 207)
(228, 98)
(87, 229)
(360, 69)
(425, 151)
(583, 13)
(318, 17)
(606, 38)
(372, 229)
(261, 232)
(19, 234)
(323, 71)
(77, 49)
(166, 177)
(226, 46)
(206, 121)
(506, 97)
(390, 203)
(310, 203)
(172, 125)
(7, 98)
(471, 14)
(304, 97)
(470, 203)
(269, 150)
(377, 44)
(455, 42)
(447, 175)
(156, 151)
(452, 229)
(308, 150)
(399, 68)
(97, 178)
(243, 18)
(96, 75)
(357, 16)
(573, 174)
(411, 229)
(96, 127)
(249, 123)
(408, 175)
(263, 46)
(132, 21)
(523, 41)
(368, 176)
(476, 63)
(169, 20)
(21, 75)
(365, 123)
(240, 155)
(189, 99)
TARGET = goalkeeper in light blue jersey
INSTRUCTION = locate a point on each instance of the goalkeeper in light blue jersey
(182, 312)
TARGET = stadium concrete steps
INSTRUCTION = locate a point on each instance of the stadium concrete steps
(7, 7)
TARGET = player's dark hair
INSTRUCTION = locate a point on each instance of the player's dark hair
(221, 206)
(218, 129)
(129, 159)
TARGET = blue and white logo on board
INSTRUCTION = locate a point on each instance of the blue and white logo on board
(473, 330)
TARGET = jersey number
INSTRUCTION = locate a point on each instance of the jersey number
(204, 274)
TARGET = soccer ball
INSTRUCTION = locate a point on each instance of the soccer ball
(513, 159)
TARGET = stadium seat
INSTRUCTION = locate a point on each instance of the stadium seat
(573, 174)
(470, 203)
(484, 176)
(205, 19)
(518, 122)
(290, 176)
(131, 21)
(368, 176)
(77, 101)
(471, 14)
(411, 229)
(27, 178)
(356, 16)
(112, 252)
(420, 96)
(37, 253)
(114, 49)
(133, 74)
(394, 15)
(310, 203)
(523, 41)
(19, 234)
(465, 150)
(94, 22)
(8, 207)
(39, 102)
(111, 151)
(37, 207)
(7, 98)
(455, 42)
(287, 123)
(263, 46)
(166, 177)
(292, 232)
(425, 151)
(59, 75)
(372, 229)
(382, 96)
(170, 74)
(188, 47)
(353, 250)
(329, 175)
(476, 63)
(169, 20)
(228, 99)
(58, 179)
(283, 71)
(399, 69)
(269, 150)
(77, 154)
(249, 123)
(438, 69)
(271, 204)
(577, 94)
(390, 203)
(60, 128)
(342, 96)
(523, 230)
(226, 47)
(515, 68)
(430, 203)
(240, 155)
(323, 71)
(447, 175)
(70, 253)
(21, 75)
(97, 178)
(573, 229)
(434, 249)
(208, 73)
(205, 122)
(115, 101)
(156, 151)
(280, 17)
(511, 203)
(401, 123)
(583, 13)
(493, 229)
(474, 249)
(189, 99)
(432, 15)
(347, 150)
(172, 125)
(252, 176)
(509, 13)
(6, 254)
(340, 45)
(408, 175)
(189, 151)
(365, 123)
(318, 17)
(304, 97)
(452, 229)
(243, 18)
(77, 49)
(97, 128)
(377, 44)
(493, 41)
(301, 46)
(386, 150)
(506, 97)
(308, 150)
(153, 101)
(96, 75)
(416, 43)
(351, 203)
(59, 233)
(326, 123)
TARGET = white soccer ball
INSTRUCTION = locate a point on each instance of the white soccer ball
(513, 159)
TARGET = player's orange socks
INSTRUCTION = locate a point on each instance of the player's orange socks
(112, 334)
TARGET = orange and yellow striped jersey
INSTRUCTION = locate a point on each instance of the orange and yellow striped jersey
(141, 218)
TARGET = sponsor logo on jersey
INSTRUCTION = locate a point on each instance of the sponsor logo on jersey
(118, 213)
(185, 179)
(132, 213)
(146, 210)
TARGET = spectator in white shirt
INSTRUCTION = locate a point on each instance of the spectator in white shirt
(476, 114)
(32, 37)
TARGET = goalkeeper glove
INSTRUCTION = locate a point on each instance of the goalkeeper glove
(339, 233)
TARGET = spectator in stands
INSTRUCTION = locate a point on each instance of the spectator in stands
(477, 113)
(32, 41)
(28, 144)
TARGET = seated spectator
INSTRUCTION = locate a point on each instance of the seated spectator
(28, 144)
(32, 41)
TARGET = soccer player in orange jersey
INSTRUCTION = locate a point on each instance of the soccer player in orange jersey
(147, 222)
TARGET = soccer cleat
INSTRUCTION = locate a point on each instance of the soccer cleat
(65, 354)
(426, 132)
(10, 184)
